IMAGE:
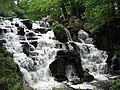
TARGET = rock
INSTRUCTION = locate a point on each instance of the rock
(9, 18)
(60, 32)
(1, 31)
(42, 30)
(86, 26)
(34, 43)
(1, 42)
(79, 23)
(62, 60)
(65, 22)
(21, 31)
(87, 77)
(27, 48)
(58, 69)
(27, 23)
(31, 36)
(77, 81)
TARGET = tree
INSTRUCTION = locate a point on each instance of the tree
(9, 8)
(100, 12)
(36, 9)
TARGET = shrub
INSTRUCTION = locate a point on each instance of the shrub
(115, 85)
(9, 78)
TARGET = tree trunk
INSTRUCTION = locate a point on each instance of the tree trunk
(73, 9)
(64, 11)
(78, 10)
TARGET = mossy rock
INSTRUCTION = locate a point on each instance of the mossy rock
(59, 31)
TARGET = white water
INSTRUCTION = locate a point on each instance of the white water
(35, 67)
(92, 58)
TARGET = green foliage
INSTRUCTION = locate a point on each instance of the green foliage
(59, 31)
(36, 9)
(5, 8)
(99, 12)
(9, 78)
(115, 85)
(9, 9)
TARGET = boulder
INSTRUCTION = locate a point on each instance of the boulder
(58, 69)
(21, 31)
(87, 77)
(62, 60)
(27, 23)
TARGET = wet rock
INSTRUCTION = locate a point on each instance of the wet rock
(1, 42)
(58, 69)
(77, 81)
(87, 77)
(31, 36)
(9, 18)
(34, 43)
(1, 31)
(16, 24)
(27, 23)
(27, 48)
(21, 31)
(62, 60)
(42, 30)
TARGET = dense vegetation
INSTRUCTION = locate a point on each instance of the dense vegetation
(9, 78)
(115, 85)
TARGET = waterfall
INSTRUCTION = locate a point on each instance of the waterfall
(35, 65)
(35, 51)
(68, 35)
(92, 58)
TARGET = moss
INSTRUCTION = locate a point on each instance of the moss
(115, 85)
(9, 78)
(59, 31)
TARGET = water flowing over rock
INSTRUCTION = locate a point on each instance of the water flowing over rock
(40, 56)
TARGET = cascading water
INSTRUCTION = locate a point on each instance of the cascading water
(92, 58)
(35, 65)
(34, 59)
